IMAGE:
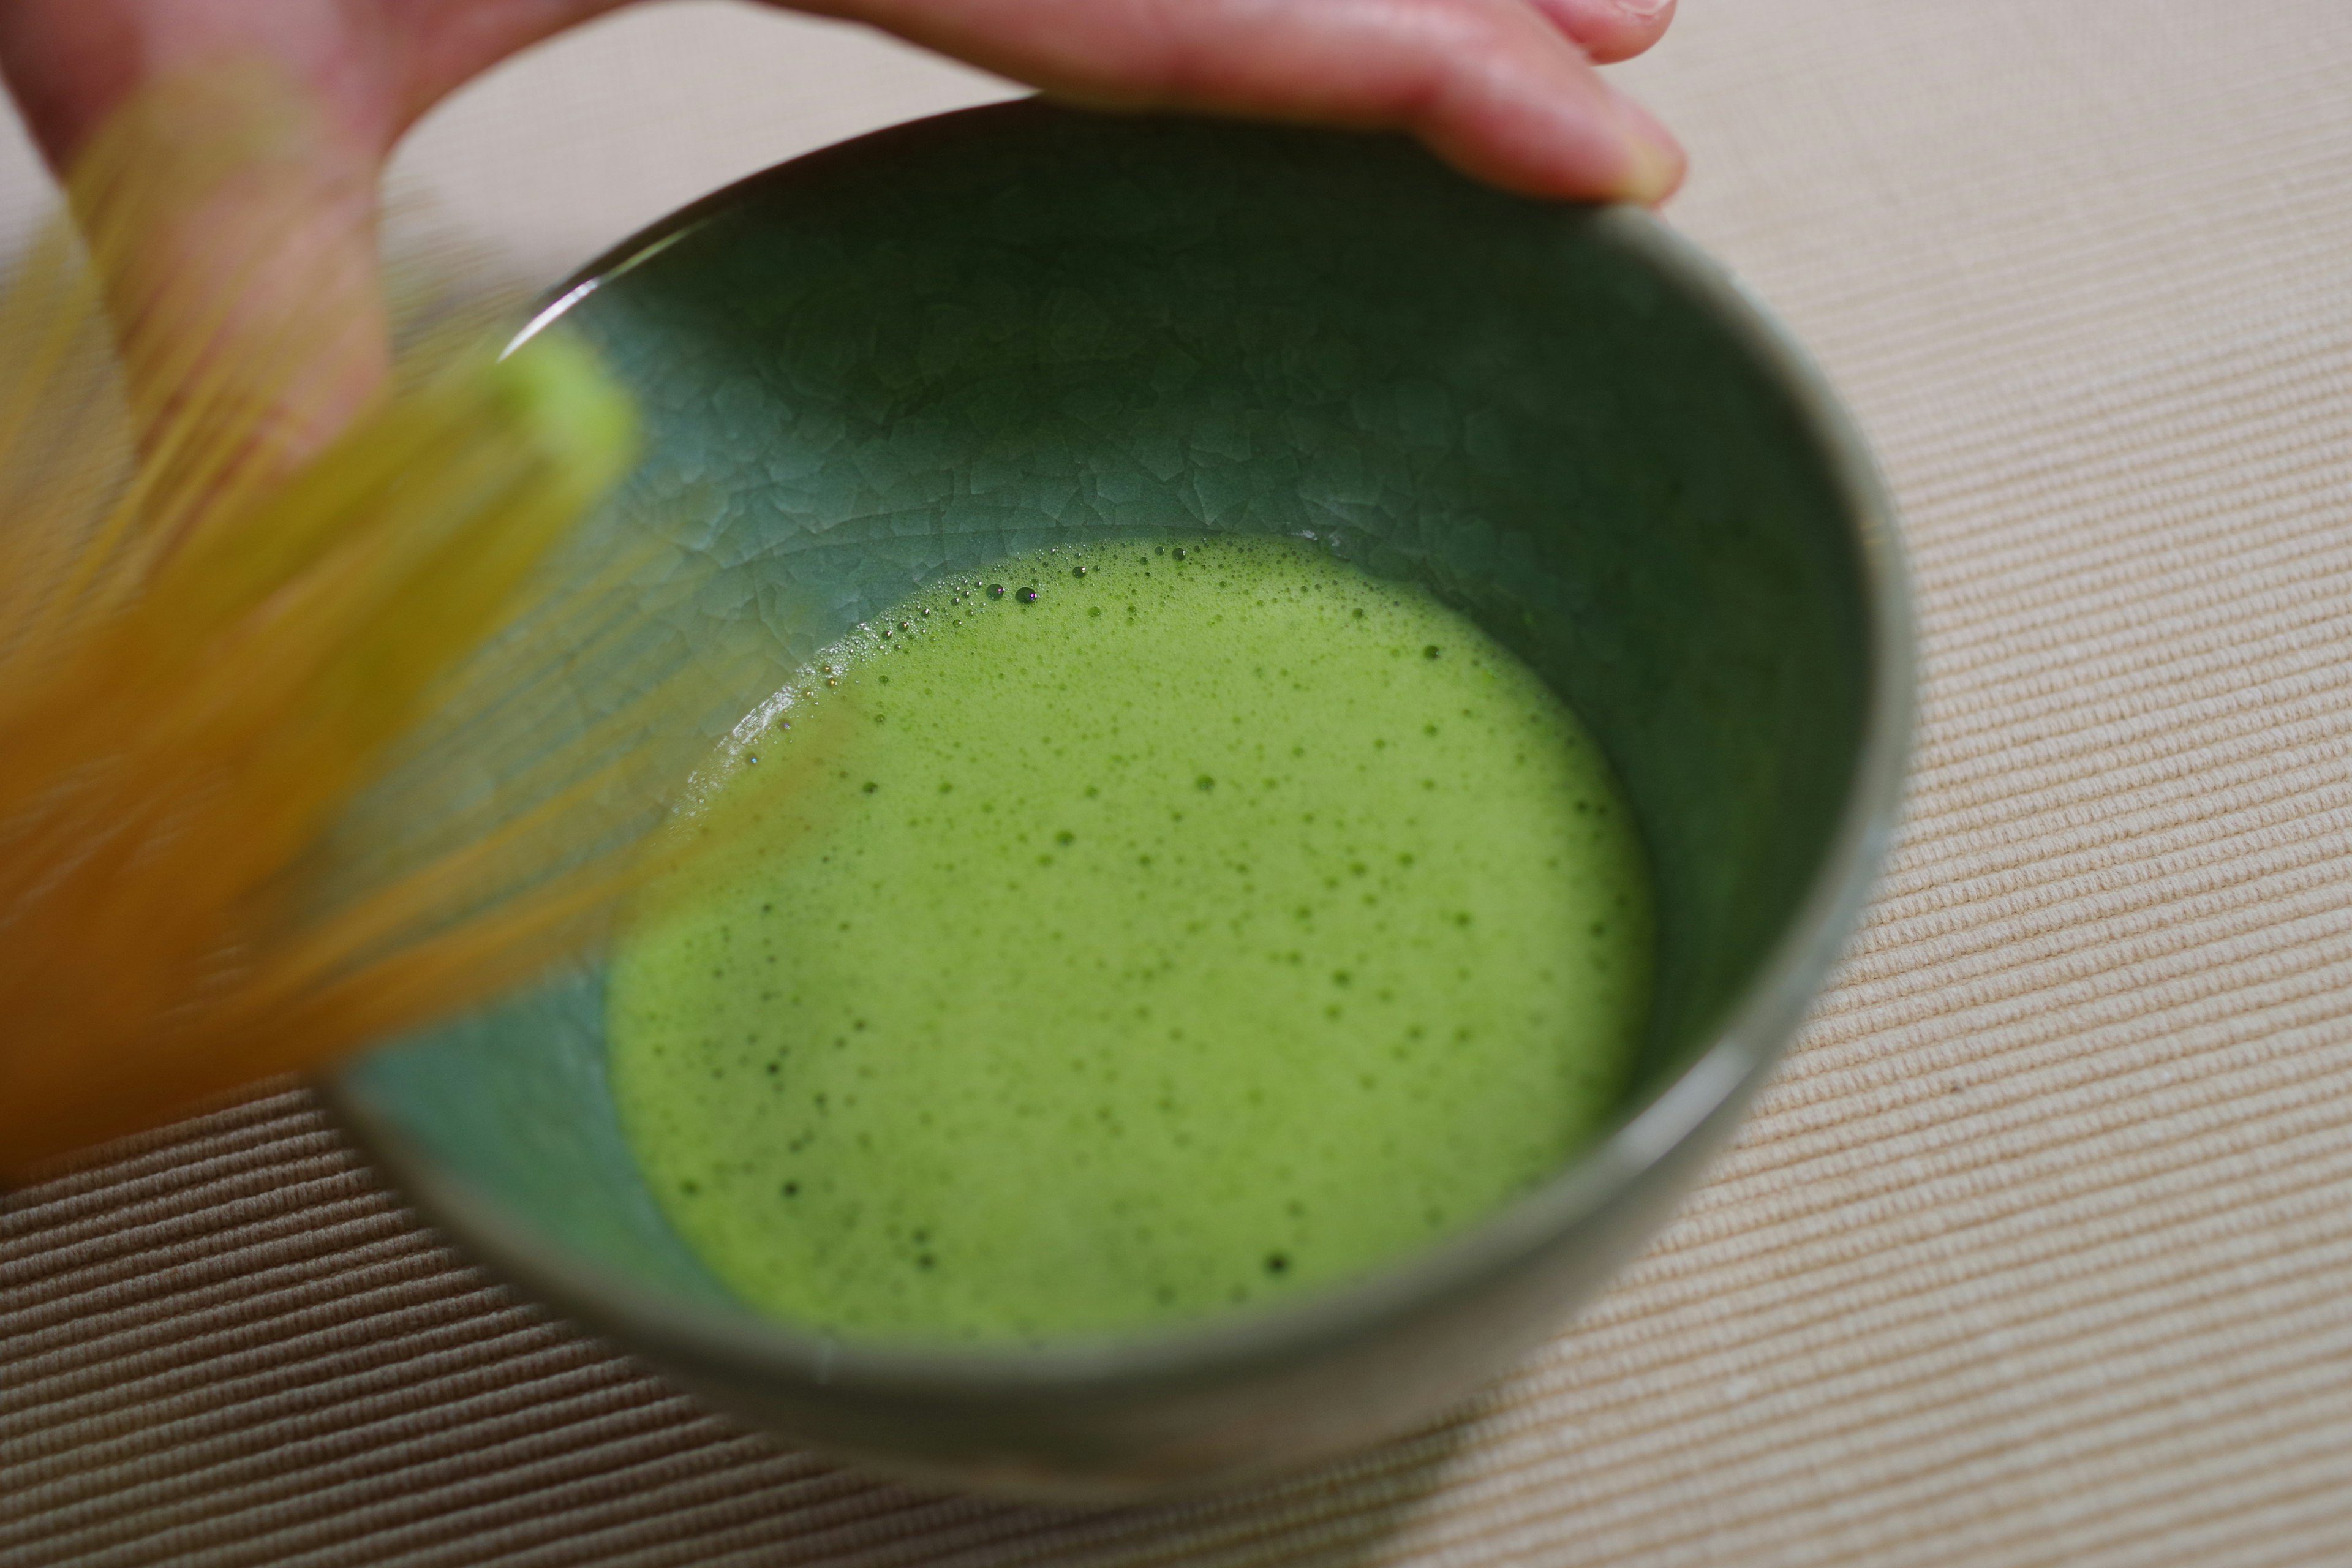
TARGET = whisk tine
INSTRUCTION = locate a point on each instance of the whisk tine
(295, 753)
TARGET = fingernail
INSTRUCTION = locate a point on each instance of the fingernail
(1655, 173)
(1643, 9)
(1654, 158)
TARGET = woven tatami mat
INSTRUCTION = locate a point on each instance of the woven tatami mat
(2040, 1248)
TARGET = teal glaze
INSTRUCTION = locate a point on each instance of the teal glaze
(913, 354)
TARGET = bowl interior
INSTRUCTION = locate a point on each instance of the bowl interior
(912, 355)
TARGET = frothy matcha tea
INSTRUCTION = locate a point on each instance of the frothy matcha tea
(1133, 933)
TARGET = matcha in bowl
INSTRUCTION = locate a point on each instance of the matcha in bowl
(1324, 724)
(1179, 928)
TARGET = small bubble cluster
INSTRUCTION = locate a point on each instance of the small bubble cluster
(1213, 926)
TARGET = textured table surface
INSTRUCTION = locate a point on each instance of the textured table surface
(2040, 1250)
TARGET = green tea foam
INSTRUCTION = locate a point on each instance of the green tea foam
(1133, 933)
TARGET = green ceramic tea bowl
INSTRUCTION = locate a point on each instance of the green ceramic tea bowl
(909, 355)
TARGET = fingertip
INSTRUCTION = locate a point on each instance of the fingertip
(1598, 147)
(1655, 174)
(1609, 30)
(1537, 117)
(1656, 160)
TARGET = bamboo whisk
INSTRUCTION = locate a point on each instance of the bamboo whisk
(293, 751)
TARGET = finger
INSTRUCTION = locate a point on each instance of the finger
(221, 163)
(1491, 84)
(442, 44)
(1609, 29)
(234, 238)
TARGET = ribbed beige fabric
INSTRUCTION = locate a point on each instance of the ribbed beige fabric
(2041, 1249)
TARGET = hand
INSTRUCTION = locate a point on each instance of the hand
(1504, 89)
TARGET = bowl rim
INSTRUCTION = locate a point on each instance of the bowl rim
(736, 1343)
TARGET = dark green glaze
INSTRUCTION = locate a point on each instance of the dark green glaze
(977, 335)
